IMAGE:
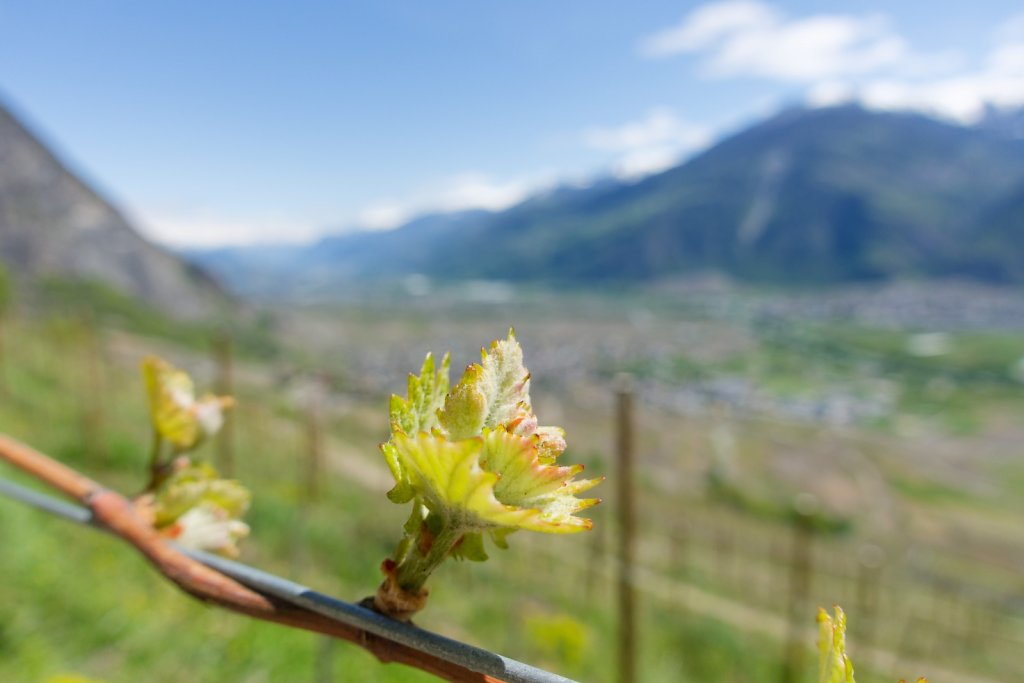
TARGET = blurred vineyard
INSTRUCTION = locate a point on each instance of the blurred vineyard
(750, 514)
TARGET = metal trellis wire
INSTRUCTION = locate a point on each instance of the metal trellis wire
(473, 658)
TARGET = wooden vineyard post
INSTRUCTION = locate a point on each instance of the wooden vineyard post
(225, 383)
(310, 465)
(680, 541)
(624, 444)
(679, 560)
(870, 559)
(312, 490)
(309, 469)
(91, 391)
(598, 545)
(800, 573)
(779, 572)
(5, 305)
(314, 441)
(941, 628)
(4, 385)
(724, 548)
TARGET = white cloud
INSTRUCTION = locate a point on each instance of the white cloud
(845, 57)
(961, 96)
(476, 190)
(383, 216)
(469, 190)
(200, 227)
(651, 144)
(707, 25)
(659, 126)
(751, 38)
(1011, 30)
(647, 161)
(830, 93)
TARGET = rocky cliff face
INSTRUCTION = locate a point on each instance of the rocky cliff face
(53, 224)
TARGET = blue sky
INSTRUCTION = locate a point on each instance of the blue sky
(229, 122)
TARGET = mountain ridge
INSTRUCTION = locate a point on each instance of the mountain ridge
(807, 197)
(53, 224)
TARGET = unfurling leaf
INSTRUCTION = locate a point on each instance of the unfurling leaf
(834, 666)
(494, 480)
(426, 392)
(415, 413)
(198, 484)
(187, 501)
(199, 510)
(177, 416)
(494, 392)
(473, 462)
(208, 528)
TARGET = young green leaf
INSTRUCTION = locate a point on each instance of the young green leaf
(494, 480)
(188, 501)
(426, 391)
(834, 666)
(208, 528)
(473, 463)
(414, 414)
(199, 510)
(177, 416)
(494, 392)
(197, 484)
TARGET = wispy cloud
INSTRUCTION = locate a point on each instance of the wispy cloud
(648, 145)
(203, 227)
(845, 57)
(962, 96)
(469, 190)
(1011, 30)
(753, 38)
(709, 25)
(382, 216)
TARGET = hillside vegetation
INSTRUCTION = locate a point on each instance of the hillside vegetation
(929, 475)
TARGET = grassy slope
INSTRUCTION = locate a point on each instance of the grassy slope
(81, 603)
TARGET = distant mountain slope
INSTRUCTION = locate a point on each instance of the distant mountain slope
(53, 224)
(809, 196)
(1005, 121)
(997, 247)
(292, 272)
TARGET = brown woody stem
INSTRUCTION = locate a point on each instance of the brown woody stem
(117, 514)
(402, 593)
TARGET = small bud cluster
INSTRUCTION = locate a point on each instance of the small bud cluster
(187, 500)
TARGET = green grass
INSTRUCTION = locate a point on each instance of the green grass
(85, 604)
(79, 305)
(79, 602)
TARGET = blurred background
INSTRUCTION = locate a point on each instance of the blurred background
(799, 229)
